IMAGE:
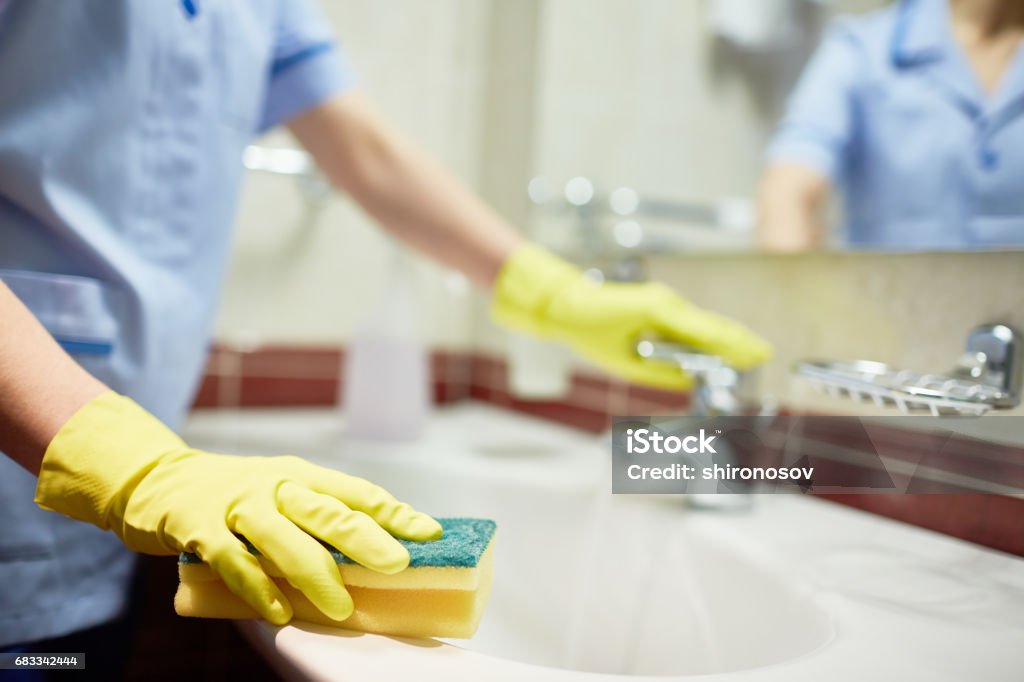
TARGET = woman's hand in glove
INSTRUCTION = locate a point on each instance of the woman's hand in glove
(116, 466)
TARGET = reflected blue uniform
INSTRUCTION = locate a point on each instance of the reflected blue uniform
(891, 112)
(122, 126)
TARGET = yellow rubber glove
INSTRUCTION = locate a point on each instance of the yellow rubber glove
(542, 294)
(116, 466)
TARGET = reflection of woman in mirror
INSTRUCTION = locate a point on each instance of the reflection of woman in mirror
(916, 114)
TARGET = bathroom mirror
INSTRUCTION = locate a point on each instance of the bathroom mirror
(654, 127)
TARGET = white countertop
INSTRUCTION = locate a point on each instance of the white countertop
(864, 597)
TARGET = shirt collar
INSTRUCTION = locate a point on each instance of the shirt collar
(922, 32)
(923, 38)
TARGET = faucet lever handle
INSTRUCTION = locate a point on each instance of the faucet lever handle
(717, 384)
(688, 359)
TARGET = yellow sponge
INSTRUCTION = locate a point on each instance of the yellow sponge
(441, 594)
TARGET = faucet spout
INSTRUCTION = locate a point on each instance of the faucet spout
(716, 394)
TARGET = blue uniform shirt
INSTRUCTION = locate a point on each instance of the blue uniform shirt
(122, 127)
(890, 110)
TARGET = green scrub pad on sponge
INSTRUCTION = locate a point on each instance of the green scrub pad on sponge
(441, 594)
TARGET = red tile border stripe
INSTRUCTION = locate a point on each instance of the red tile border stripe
(294, 376)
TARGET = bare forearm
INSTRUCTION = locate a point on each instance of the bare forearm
(41, 387)
(410, 194)
(791, 209)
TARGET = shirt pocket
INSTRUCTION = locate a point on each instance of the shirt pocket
(79, 312)
(909, 130)
(909, 157)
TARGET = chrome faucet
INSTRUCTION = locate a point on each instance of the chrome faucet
(293, 163)
(716, 384)
(610, 230)
(717, 392)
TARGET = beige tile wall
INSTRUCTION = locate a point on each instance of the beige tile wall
(911, 310)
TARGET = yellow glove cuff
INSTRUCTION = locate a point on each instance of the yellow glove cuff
(99, 456)
(528, 280)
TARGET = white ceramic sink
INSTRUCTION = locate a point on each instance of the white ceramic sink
(591, 585)
(616, 585)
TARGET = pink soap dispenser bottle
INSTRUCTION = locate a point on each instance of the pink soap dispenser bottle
(386, 374)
